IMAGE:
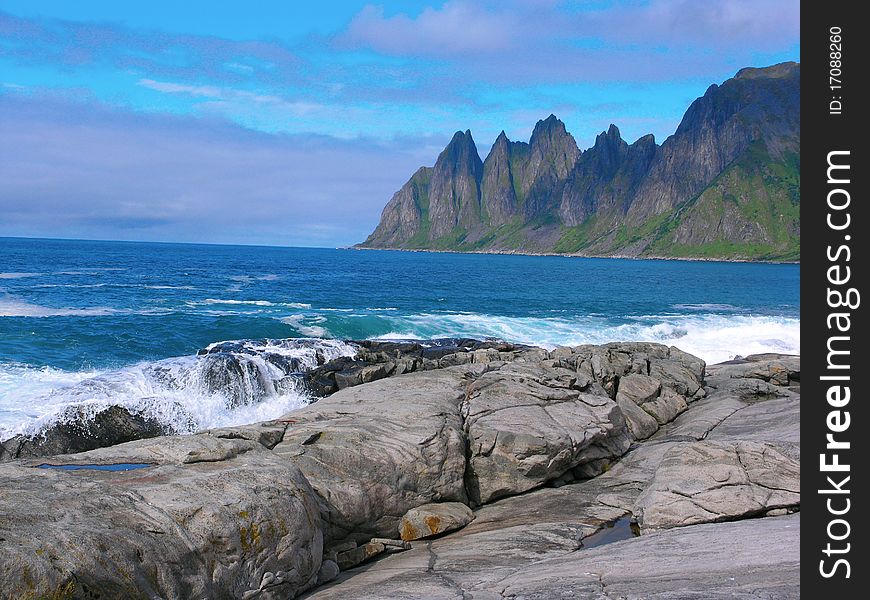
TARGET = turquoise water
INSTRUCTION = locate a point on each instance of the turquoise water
(76, 312)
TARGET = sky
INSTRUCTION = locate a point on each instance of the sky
(292, 123)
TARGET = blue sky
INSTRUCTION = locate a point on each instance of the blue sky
(292, 123)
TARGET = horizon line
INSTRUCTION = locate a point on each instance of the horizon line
(165, 242)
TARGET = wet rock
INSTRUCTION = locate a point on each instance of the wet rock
(78, 431)
(378, 359)
(434, 519)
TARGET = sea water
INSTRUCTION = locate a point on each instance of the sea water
(90, 324)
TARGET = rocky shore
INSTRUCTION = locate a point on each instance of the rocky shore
(458, 469)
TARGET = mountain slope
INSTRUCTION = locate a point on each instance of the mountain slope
(724, 185)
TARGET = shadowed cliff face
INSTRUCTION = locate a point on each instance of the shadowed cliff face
(605, 179)
(454, 190)
(725, 185)
(405, 213)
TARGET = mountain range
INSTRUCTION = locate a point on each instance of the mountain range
(725, 185)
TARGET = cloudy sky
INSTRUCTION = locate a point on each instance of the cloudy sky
(292, 123)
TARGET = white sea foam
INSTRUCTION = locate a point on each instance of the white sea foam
(230, 301)
(233, 302)
(395, 335)
(175, 391)
(68, 285)
(18, 275)
(307, 325)
(706, 307)
(302, 349)
(11, 307)
(715, 338)
(90, 271)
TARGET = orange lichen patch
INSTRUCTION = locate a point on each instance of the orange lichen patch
(409, 532)
(433, 523)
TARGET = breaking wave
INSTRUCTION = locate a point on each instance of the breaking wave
(227, 383)
(713, 337)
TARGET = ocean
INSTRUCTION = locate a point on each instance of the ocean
(88, 324)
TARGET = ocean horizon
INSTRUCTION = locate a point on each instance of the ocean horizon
(93, 323)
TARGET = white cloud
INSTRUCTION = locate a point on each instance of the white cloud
(454, 29)
(83, 170)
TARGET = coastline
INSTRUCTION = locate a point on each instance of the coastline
(577, 255)
(405, 436)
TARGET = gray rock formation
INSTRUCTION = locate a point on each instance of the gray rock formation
(407, 211)
(375, 451)
(555, 543)
(500, 185)
(270, 510)
(704, 482)
(209, 518)
(748, 560)
(527, 424)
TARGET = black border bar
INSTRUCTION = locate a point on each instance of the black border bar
(834, 224)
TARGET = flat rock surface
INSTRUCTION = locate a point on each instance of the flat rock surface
(714, 481)
(209, 519)
(745, 560)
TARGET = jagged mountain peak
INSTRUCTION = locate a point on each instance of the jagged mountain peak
(501, 141)
(549, 128)
(461, 138)
(645, 140)
(611, 137)
(723, 185)
(460, 153)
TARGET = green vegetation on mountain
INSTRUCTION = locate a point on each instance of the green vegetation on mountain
(726, 185)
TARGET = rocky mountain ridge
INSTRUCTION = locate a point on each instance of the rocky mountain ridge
(724, 185)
